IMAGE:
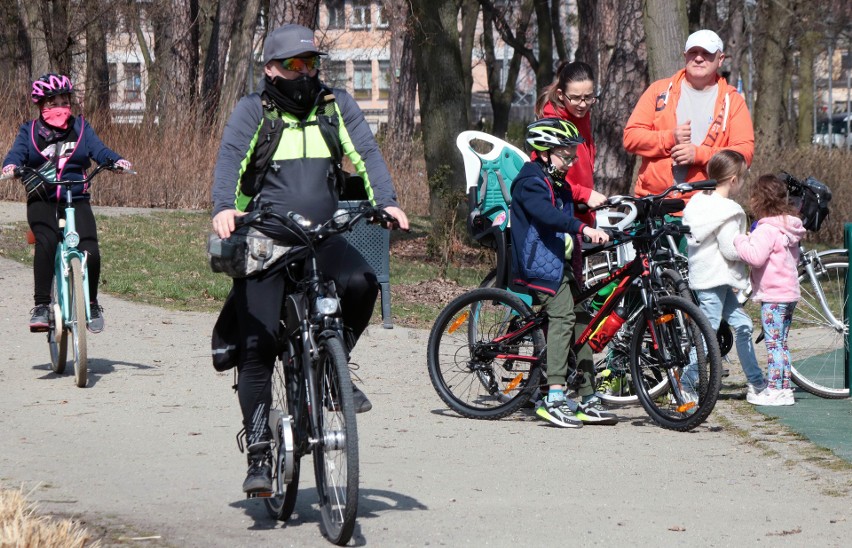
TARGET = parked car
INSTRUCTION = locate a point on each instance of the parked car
(839, 137)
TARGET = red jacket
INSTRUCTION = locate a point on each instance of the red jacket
(650, 132)
(580, 174)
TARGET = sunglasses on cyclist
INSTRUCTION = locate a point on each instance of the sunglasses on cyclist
(299, 64)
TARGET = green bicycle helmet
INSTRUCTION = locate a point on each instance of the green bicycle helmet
(548, 133)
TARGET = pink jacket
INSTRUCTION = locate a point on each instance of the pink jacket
(772, 250)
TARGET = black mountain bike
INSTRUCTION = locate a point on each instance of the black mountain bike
(312, 404)
(486, 350)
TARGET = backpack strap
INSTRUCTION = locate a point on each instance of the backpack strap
(268, 137)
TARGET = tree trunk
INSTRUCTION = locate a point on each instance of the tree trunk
(443, 115)
(14, 46)
(239, 57)
(665, 34)
(560, 37)
(301, 12)
(501, 95)
(769, 112)
(597, 29)
(544, 71)
(215, 54)
(40, 61)
(807, 56)
(469, 18)
(403, 85)
(736, 45)
(97, 69)
(625, 79)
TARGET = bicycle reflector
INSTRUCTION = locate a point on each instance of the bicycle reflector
(458, 321)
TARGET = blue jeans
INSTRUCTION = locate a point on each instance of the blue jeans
(721, 302)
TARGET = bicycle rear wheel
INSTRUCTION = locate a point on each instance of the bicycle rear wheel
(336, 450)
(478, 376)
(818, 346)
(57, 335)
(285, 474)
(77, 302)
(679, 340)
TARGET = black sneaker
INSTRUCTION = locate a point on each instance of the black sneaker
(259, 475)
(96, 323)
(40, 320)
(362, 403)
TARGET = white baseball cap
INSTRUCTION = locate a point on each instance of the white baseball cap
(705, 39)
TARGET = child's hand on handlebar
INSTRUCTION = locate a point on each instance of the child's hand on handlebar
(595, 236)
(124, 165)
(8, 169)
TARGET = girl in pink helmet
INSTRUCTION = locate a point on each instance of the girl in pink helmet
(57, 141)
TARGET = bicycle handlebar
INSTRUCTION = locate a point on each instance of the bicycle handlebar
(20, 171)
(342, 221)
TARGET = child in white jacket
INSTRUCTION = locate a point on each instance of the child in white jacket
(715, 269)
(772, 250)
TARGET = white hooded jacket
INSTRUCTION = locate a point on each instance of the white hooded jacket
(714, 221)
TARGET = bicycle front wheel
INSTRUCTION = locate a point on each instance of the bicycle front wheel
(678, 339)
(285, 474)
(475, 370)
(817, 344)
(336, 450)
(78, 322)
(57, 335)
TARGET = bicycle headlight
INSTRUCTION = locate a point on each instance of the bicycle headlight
(72, 239)
(341, 217)
(327, 305)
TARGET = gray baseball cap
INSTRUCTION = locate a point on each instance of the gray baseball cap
(289, 41)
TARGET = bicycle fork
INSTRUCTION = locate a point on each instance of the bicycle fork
(810, 260)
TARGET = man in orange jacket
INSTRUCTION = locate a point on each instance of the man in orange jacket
(680, 122)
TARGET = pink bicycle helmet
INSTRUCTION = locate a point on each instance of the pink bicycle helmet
(51, 85)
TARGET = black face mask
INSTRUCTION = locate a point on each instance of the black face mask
(296, 96)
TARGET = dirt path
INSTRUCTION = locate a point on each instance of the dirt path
(148, 450)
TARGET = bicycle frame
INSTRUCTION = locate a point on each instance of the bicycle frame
(65, 251)
(811, 262)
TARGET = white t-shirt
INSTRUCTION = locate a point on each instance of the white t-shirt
(698, 107)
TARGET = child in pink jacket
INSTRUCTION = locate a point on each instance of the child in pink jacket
(772, 250)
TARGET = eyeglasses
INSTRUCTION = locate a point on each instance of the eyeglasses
(299, 64)
(566, 158)
(577, 99)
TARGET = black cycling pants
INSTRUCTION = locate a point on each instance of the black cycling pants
(43, 220)
(258, 302)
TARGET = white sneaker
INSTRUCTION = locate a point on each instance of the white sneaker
(787, 397)
(768, 397)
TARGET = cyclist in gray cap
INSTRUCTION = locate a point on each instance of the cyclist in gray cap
(302, 173)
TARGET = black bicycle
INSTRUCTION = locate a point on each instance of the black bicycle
(312, 404)
(486, 350)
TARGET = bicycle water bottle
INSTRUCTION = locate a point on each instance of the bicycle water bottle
(607, 330)
(602, 296)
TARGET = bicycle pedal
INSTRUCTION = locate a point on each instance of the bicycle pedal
(260, 495)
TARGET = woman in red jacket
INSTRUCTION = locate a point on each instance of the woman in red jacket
(571, 97)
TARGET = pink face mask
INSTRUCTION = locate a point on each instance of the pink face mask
(57, 116)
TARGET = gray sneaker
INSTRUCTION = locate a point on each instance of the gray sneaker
(592, 412)
(96, 323)
(40, 320)
(362, 403)
(558, 413)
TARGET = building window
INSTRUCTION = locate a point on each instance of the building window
(336, 14)
(384, 79)
(113, 82)
(360, 15)
(363, 80)
(334, 74)
(381, 21)
(132, 82)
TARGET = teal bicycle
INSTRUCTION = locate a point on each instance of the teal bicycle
(69, 304)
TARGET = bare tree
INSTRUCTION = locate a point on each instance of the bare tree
(216, 53)
(665, 33)
(240, 55)
(625, 78)
(443, 113)
(501, 93)
(97, 71)
(302, 12)
(774, 68)
(469, 18)
(14, 46)
(403, 84)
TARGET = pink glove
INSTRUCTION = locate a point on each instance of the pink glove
(9, 169)
(124, 164)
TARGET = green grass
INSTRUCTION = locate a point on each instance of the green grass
(161, 259)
